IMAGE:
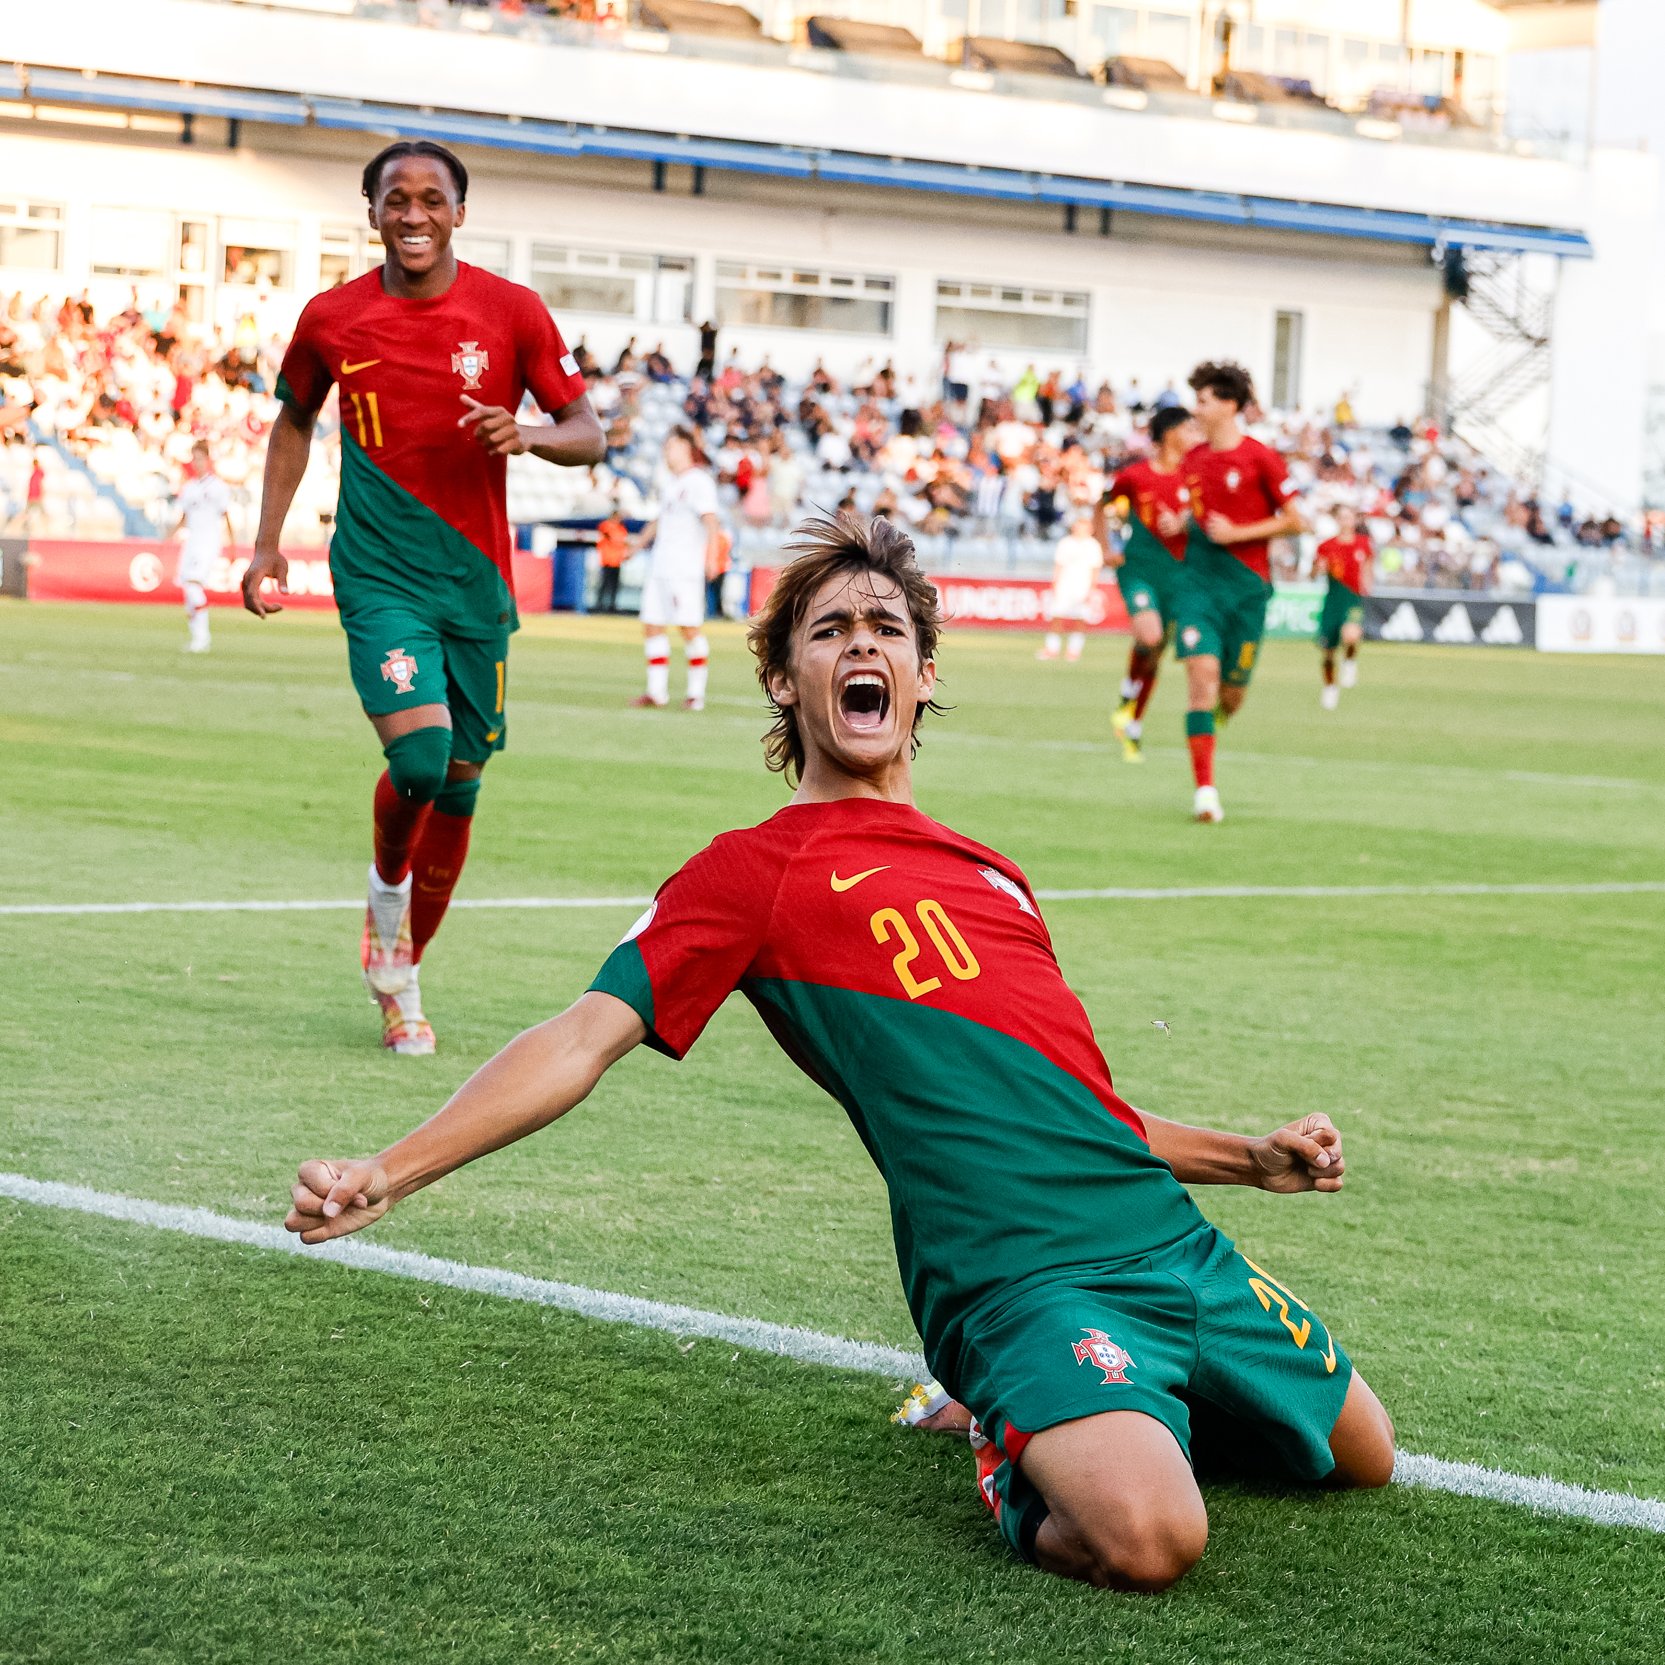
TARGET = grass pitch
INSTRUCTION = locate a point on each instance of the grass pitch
(210, 1454)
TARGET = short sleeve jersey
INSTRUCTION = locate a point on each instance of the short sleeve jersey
(1347, 560)
(203, 502)
(1076, 562)
(1250, 482)
(423, 512)
(679, 537)
(907, 970)
(1147, 492)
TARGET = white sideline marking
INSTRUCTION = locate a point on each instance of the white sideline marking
(1110, 893)
(1540, 1494)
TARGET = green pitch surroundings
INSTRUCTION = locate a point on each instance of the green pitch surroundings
(211, 1452)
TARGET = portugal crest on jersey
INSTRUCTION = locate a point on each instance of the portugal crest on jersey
(1002, 883)
(471, 363)
(1098, 1349)
(400, 669)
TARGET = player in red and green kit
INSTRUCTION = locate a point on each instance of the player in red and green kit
(1066, 1286)
(1241, 498)
(1152, 500)
(432, 359)
(1345, 560)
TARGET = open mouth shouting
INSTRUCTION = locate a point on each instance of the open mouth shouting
(864, 701)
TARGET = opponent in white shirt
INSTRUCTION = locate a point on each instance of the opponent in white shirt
(204, 510)
(1076, 564)
(685, 552)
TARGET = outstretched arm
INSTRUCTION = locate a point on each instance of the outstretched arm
(1304, 1155)
(287, 449)
(536, 1078)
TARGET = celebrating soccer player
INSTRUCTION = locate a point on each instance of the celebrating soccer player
(1240, 500)
(1066, 1286)
(432, 358)
(1345, 559)
(1151, 499)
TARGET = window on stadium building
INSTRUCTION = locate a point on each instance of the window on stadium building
(490, 254)
(791, 297)
(1004, 315)
(1286, 361)
(257, 251)
(1116, 31)
(1168, 37)
(132, 242)
(31, 238)
(655, 288)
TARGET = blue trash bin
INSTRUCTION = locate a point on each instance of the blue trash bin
(570, 560)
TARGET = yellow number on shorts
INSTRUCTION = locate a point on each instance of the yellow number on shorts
(499, 677)
(1269, 1292)
(887, 923)
(1246, 656)
(957, 958)
(371, 433)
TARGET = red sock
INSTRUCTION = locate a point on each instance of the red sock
(1147, 687)
(1202, 758)
(1329, 669)
(441, 851)
(397, 823)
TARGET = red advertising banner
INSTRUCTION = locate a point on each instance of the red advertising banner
(137, 569)
(993, 603)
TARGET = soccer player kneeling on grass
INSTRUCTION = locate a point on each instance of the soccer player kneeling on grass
(1067, 1288)
(420, 558)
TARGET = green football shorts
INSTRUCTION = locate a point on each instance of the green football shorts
(1225, 619)
(400, 659)
(1151, 586)
(1199, 1322)
(1341, 606)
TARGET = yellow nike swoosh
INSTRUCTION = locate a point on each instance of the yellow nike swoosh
(352, 369)
(851, 883)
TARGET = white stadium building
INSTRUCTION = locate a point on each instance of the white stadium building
(1412, 202)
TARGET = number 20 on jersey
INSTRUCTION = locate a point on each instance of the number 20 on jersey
(953, 953)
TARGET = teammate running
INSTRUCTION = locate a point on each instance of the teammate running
(1076, 563)
(1066, 1286)
(1346, 560)
(685, 547)
(432, 358)
(204, 508)
(1240, 500)
(1151, 499)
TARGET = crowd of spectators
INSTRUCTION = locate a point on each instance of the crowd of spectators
(988, 467)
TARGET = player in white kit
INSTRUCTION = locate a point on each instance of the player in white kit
(684, 554)
(1076, 564)
(204, 507)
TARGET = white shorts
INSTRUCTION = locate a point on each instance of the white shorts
(677, 598)
(195, 569)
(1069, 602)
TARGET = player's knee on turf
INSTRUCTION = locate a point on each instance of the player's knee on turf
(1362, 1441)
(418, 763)
(1141, 1547)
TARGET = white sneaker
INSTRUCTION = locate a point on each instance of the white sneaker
(1206, 805)
(1349, 673)
(1330, 698)
(405, 1030)
(384, 951)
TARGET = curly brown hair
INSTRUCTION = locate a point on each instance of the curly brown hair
(1224, 380)
(824, 547)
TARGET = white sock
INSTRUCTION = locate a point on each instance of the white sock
(658, 650)
(1053, 641)
(1130, 688)
(699, 653)
(196, 613)
(1135, 730)
(1077, 641)
(388, 904)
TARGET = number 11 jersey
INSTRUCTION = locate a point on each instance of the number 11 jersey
(907, 970)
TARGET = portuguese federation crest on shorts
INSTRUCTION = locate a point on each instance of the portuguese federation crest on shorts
(471, 362)
(1098, 1349)
(400, 669)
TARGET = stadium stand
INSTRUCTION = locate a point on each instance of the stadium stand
(109, 408)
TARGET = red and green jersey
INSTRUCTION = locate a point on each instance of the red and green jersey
(907, 971)
(423, 510)
(1249, 482)
(1347, 560)
(1148, 493)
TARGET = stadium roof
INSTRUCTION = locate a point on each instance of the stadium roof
(834, 166)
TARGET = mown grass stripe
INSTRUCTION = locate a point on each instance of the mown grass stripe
(1108, 893)
(1538, 1493)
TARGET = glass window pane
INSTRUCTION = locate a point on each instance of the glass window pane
(1168, 37)
(1033, 330)
(586, 292)
(31, 248)
(246, 264)
(131, 242)
(490, 254)
(782, 309)
(1116, 30)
